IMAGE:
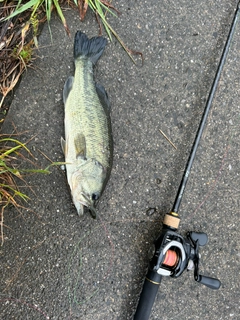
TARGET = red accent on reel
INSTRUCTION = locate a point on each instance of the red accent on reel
(171, 258)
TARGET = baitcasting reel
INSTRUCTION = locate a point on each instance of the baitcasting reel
(174, 254)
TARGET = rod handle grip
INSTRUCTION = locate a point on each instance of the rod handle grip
(148, 295)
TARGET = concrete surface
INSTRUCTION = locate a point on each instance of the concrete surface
(56, 265)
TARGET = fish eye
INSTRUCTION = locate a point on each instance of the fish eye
(95, 196)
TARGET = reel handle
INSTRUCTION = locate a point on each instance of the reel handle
(211, 283)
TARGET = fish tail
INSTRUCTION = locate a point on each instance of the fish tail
(90, 48)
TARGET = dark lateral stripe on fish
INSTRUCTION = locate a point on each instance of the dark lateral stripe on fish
(90, 48)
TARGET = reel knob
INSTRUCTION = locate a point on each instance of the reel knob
(201, 237)
(211, 283)
(198, 239)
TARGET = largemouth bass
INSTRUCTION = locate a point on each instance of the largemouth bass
(88, 146)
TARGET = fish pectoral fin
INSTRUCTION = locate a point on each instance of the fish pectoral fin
(67, 88)
(63, 145)
(103, 97)
(80, 145)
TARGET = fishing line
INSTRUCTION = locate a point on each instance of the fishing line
(111, 244)
(213, 187)
(77, 251)
(29, 305)
(171, 258)
(216, 180)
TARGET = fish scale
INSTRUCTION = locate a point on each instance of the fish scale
(93, 125)
(88, 147)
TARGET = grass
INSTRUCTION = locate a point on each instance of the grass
(11, 151)
(99, 7)
(16, 49)
(20, 22)
(9, 191)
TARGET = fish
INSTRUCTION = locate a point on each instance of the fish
(88, 143)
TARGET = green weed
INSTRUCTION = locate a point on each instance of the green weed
(99, 7)
(10, 175)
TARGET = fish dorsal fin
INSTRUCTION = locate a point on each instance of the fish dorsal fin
(80, 145)
(67, 88)
(103, 97)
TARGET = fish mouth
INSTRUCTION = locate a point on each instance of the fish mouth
(89, 205)
(80, 204)
(93, 212)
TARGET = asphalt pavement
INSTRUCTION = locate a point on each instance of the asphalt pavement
(57, 265)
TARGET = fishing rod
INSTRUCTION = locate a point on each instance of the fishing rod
(174, 253)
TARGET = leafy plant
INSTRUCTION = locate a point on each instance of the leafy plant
(34, 5)
(99, 7)
(10, 175)
(19, 24)
(15, 51)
